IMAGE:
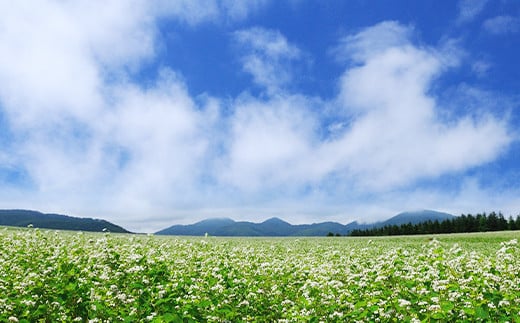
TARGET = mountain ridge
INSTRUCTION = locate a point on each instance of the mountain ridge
(276, 227)
(24, 218)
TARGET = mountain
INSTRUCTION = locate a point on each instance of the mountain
(273, 227)
(417, 217)
(199, 228)
(276, 227)
(22, 218)
(228, 227)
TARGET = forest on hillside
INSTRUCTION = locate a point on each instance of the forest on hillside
(481, 222)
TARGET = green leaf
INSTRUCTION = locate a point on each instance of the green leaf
(482, 312)
(168, 318)
(469, 311)
(447, 306)
(438, 315)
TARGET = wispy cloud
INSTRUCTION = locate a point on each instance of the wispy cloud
(238, 10)
(267, 57)
(481, 67)
(502, 25)
(470, 9)
(372, 41)
(195, 12)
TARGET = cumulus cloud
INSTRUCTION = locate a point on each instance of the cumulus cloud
(389, 96)
(41, 51)
(85, 136)
(395, 135)
(268, 140)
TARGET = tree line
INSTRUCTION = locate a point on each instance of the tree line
(464, 223)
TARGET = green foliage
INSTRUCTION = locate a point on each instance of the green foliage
(48, 276)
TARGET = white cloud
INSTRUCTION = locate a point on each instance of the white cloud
(502, 25)
(160, 129)
(92, 142)
(481, 67)
(267, 143)
(267, 57)
(397, 136)
(194, 12)
(129, 36)
(87, 138)
(470, 9)
(470, 197)
(190, 12)
(42, 50)
(372, 41)
(238, 10)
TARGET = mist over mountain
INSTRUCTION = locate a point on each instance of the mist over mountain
(275, 227)
(417, 217)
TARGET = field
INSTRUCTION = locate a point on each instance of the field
(51, 276)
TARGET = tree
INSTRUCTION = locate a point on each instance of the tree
(464, 223)
(511, 224)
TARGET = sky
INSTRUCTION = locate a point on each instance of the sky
(154, 113)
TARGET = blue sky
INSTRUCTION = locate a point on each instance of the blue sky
(152, 113)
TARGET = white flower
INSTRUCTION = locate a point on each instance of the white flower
(504, 303)
(404, 302)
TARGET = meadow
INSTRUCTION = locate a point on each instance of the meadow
(58, 276)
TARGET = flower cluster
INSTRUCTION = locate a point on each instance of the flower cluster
(66, 276)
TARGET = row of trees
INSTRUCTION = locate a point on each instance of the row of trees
(464, 223)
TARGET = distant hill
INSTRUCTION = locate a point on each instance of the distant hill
(22, 218)
(276, 227)
(228, 227)
(417, 217)
(273, 227)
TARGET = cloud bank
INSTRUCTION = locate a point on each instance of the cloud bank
(83, 136)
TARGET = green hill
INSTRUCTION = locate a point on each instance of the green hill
(24, 218)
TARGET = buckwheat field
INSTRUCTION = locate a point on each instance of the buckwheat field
(55, 276)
